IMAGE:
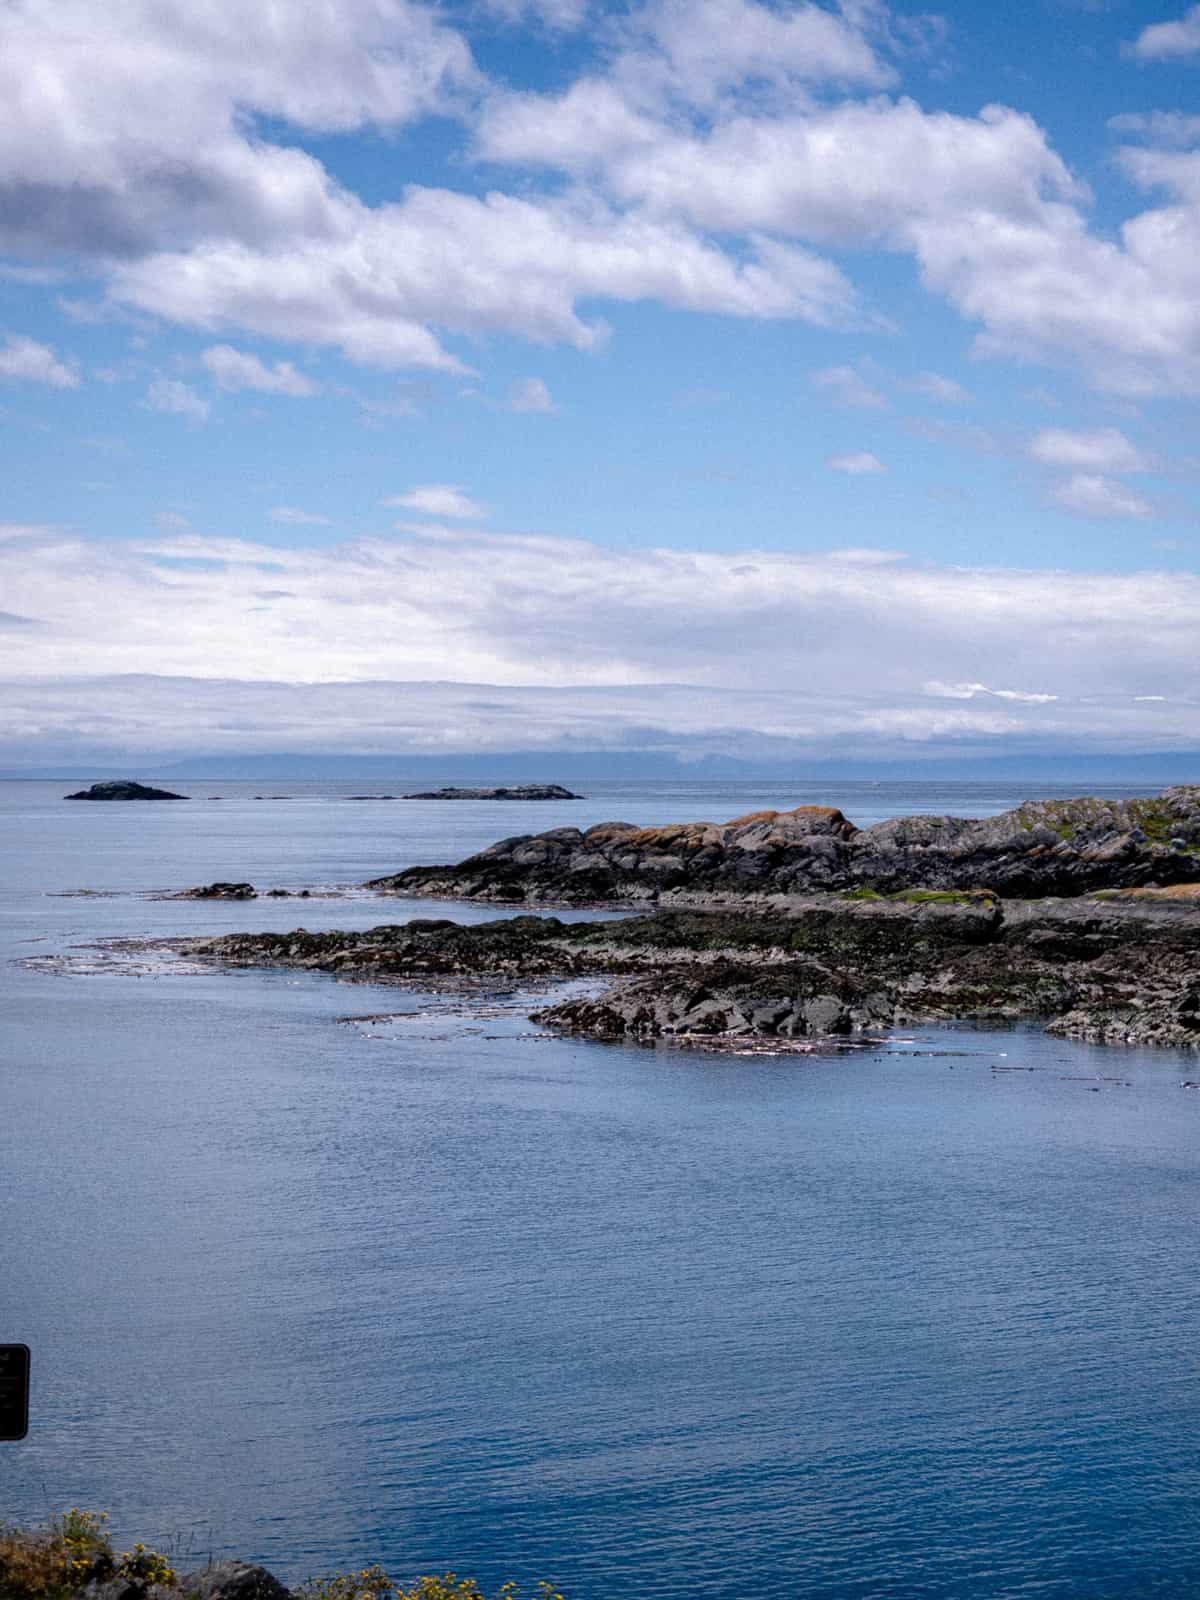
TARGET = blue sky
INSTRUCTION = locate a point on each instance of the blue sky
(745, 377)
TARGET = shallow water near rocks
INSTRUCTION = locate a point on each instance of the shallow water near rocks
(320, 1273)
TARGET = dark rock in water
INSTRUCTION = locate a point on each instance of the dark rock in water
(219, 891)
(123, 791)
(1120, 967)
(1049, 847)
(231, 1580)
(801, 1000)
(521, 791)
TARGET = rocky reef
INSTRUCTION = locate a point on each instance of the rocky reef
(218, 891)
(123, 791)
(1117, 967)
(1047, 847)
(520, 791)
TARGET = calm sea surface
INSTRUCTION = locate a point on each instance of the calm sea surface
(440, 1292)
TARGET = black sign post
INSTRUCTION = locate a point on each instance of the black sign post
(14, 1391)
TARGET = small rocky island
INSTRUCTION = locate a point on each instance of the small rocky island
(124, 791)
(520, 791)
(796, 925)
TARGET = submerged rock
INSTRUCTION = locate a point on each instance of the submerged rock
(123, 791)
(1050, 847)
(521, 791)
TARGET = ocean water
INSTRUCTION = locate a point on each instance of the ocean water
(319, 1273)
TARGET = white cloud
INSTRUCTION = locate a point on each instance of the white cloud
(169, 394)
(531, 394)
(849, 389)
(992, 215)
(1173, 129)
(560, 15)
(859, 464)
(237, 369)
(583, 643)
(298, 518)
(936, 387)
(24, 360)
(132, 125)
(1090, 494)
(1167, 41)
(470, 265)
(974, 691)
(440, 500)
(702, 50)
(1101, 450)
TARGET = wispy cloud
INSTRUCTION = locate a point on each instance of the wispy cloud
(439, 500)
(1100, 450)
(1091, 494)
(935, 386)
(847, 388)
(237, 369)
(173, 396)
(858, 465)
(24, 360)
(531, 395)
(298, 518)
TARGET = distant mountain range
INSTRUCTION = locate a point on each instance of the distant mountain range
(580, 767)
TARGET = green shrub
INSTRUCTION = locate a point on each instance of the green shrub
(54, 1562)
(373, 1583)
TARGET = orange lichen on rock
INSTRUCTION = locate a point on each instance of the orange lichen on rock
(828, 813)
(674, 836)
(1173, 891)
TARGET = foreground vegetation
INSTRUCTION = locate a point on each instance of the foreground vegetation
(74, 1552)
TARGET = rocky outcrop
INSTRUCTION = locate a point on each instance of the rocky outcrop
(521, 791)
(231, 1580)
(1049, 847)
(801, 1001)
(219, 891)
(221, 1580)
(1123, 967)
(123, 791)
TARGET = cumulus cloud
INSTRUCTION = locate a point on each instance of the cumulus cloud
(170, 395)
(1091, 494)
(237, 369)
(572, 637)
(1168, 41)
(860, 464)
(24, 360)
(532, 395)
(849, 389)
(131, 125)
(470, 265)
(440, 500)
(700, 51)
(1101, 450)
(993, 216)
